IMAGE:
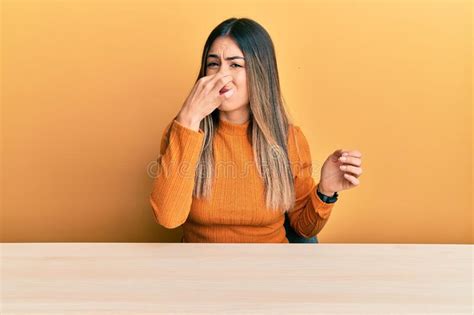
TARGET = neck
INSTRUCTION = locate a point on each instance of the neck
(239, 116)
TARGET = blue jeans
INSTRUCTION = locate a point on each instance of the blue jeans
(294, 237)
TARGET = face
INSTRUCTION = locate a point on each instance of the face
(226, 57)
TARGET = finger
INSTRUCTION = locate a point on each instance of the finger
(213, 76)
(336, 154)
(206, 78)
(354, 153)
(350, 160)
(220, 83)
(352, 179)
(217, 77)
(209, 81)
(356, 171)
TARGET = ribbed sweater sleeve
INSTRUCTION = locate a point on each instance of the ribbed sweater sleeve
(171, 195)
(310, 213)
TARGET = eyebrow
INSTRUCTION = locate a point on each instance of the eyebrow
(228, 58)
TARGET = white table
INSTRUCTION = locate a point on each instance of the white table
(150, 278)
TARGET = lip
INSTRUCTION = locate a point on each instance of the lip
(224, 89)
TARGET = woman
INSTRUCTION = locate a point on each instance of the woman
(233, 167)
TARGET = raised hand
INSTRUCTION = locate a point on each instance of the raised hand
(340, 171)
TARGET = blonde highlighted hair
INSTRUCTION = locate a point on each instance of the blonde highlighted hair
(269, 124)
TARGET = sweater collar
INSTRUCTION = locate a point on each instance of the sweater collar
(230, 128)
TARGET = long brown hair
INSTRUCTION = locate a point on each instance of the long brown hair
(269, 121)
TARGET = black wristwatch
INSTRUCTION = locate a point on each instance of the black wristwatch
(327, 199)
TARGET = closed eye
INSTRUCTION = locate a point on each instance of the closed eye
(213, 63)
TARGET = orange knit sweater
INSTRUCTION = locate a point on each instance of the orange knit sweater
(236, 211)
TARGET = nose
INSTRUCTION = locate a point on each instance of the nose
(223, 70)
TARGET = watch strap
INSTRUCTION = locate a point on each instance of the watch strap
(325, 198)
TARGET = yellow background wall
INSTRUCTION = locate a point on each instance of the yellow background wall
(88, 86)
